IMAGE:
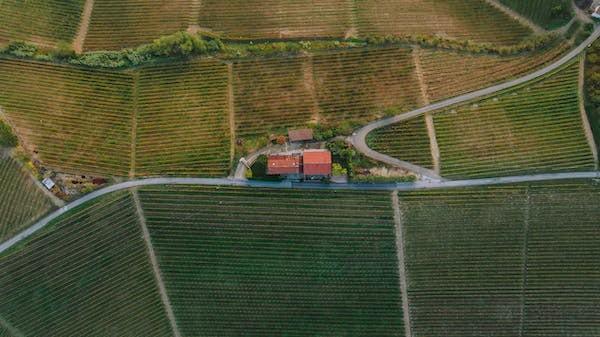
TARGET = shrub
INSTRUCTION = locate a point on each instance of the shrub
(338, 170)
(21, 49)
(63, 51)
(7, 138)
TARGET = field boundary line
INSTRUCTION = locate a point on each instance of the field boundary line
(84, 25)
(587, 129)
(155, 267)
(525, 259)
(13, 331)
(231, 113)
(134, 113)
(433, 143)
(401, 264)
(353, 26)
(517, 16)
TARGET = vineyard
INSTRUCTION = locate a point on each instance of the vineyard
(537, 128)
(546, 13)
(447, 74)
(21, 201)
(276, 262)
(498, 260)
(117, 24)
(272, 19)
(407, 140)
(532, 129)
(463, 19)
(87, 275)
(73, 119)
(44, 22)
(273, 94)
(182, 120)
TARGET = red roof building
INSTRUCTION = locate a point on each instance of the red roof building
(283, 164)
(300, 135)
(317, 163)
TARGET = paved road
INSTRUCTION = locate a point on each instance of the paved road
(358, 139)
(290, 185)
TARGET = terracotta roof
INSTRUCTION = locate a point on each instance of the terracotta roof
(283, 164)
(317, 162)
(300, 135)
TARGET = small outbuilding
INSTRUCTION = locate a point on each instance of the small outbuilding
(317, 163)
(48, 183)
(284, 164)
(300, 135)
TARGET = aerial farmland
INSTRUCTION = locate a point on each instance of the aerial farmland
(405, 168)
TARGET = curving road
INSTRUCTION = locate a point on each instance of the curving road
(358, 139)
(290, 185)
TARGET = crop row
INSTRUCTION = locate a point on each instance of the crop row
(73, 119)
(260, 19)
(407, 140)
(500, 260)
(537, 128)
(545, 13)
(21, 201)
(276, 262)
(447, 74)
(40, 21)
(343, 86)
(117, 24)
(81, 120)
(182, 120)
(464, 19)
(88, 274)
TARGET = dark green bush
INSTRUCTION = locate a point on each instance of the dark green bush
(7, 138)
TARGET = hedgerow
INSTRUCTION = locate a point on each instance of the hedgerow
(182, 45)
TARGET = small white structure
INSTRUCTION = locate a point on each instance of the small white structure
(596, 14)
(48, 183)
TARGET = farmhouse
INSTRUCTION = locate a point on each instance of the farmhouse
(301, 135)
(284, 164)
(311, 164)
(317, 163)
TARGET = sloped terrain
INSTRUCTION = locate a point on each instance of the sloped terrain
(21, 201)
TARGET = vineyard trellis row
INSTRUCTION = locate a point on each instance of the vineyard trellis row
(531, 129)
(91, 264)
(237, 260)
(43, 22)
(503, 259)
(80, 119)
(21, 201)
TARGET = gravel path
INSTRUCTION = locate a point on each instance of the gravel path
(401, 265)
(84, 24)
